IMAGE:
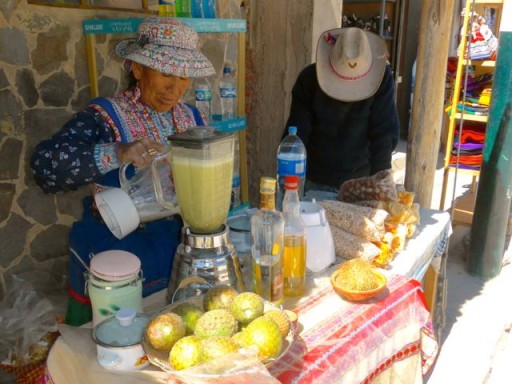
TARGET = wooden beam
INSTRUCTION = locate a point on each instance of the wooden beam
(428, 103)
(90, 51)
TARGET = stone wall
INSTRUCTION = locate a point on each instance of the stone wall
(43, 81)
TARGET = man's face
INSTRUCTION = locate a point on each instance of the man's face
(158, 90)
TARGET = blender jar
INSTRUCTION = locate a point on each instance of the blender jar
(202, 170)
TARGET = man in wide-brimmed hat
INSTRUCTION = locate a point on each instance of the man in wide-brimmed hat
(344, 108)
(131, 127)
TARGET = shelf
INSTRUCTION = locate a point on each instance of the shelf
(481, 63)
(468, 117)
(230, 125)
(98, 27)
(472, 172)
(367, 1)
(464, 208)
(489, 2)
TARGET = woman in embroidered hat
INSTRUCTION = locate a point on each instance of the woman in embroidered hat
(344, 109)
(128, 128)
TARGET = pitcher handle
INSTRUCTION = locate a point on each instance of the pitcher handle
(158, 184)
(123, 180)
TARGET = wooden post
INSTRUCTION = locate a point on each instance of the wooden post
(428, 101)
(427, 110)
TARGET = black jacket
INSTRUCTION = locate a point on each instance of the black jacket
(344, 140)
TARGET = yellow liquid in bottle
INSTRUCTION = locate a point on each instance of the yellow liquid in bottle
(267, 278)
(294, 265)
(203, 191)
(167, 8)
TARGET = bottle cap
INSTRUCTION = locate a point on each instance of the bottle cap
(268, 183)
(291, 182)
(292, 130)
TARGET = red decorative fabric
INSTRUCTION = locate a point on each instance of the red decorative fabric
(344, 336)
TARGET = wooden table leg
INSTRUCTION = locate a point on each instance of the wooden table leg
(430, 288)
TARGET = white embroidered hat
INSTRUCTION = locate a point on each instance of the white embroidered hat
(350, 63)
(168, 46)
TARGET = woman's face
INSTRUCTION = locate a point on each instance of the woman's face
(159, 91)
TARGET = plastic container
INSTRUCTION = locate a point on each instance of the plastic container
(228, 94)
(167, 8)
(203, 97)
(267, 233)
(183, 8)
(118, 341)
(114, 282)
(291, 161)
(202, 169)
(320, 250)
(295, 240)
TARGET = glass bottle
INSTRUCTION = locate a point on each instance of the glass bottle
(267, 232)
(294, 261)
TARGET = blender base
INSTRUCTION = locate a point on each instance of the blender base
(203, 261)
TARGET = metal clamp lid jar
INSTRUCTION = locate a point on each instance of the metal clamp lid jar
(114, 282)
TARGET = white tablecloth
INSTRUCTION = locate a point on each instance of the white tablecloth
(73, 356)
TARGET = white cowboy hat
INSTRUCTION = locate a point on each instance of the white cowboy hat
(350, 63)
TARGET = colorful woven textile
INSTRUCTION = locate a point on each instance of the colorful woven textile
(386, 336)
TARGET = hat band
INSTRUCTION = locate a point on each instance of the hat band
(348, 78)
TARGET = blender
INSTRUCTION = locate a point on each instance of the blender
(202, 170)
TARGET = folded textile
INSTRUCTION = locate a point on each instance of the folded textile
(469, 146)
(467, 159)
(471, 136)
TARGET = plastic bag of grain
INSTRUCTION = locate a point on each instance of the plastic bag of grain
(349, 246)
(364, 222)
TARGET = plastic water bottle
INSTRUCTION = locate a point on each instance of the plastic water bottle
(167, 8)
(203, 96)
(196, 8)
(183, 8)
(291, 160)
(209, 9)
(228, 94)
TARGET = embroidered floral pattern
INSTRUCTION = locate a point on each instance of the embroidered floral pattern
(85, 148)
(168, 46)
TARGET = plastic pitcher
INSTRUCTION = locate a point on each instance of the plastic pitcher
(148, 195)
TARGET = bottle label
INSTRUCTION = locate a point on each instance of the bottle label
(203, 94)
(291, 167)
(228, 92)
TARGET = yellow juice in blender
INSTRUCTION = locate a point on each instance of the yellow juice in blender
(201, 186)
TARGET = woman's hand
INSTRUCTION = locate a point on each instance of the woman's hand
(139, 153)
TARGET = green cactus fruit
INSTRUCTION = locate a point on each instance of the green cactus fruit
(217, 322)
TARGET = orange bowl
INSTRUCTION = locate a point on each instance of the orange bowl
(351, 295)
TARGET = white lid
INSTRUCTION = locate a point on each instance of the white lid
(312, 214)
(115, 265)
(117, 211)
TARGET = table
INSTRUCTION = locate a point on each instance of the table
(387, 339)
